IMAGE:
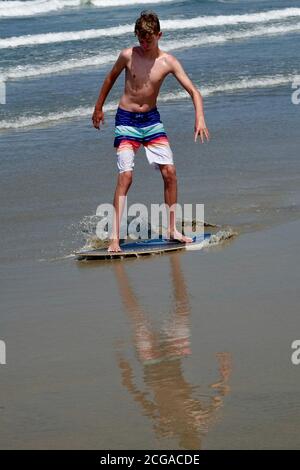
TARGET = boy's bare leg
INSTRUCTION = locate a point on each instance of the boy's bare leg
(170, 188)
(123, 185)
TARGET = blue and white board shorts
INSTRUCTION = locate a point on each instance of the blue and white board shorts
(134, 129)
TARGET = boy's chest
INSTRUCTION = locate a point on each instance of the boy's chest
(141, 72)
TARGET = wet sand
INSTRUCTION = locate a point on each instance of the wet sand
(181, 351)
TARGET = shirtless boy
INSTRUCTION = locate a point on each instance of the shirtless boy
(138, 120)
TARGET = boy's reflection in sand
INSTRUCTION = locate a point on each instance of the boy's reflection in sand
(170, 400)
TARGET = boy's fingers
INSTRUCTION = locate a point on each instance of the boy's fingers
(202, 133)
(95, 122)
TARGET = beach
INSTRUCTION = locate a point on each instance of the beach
(187, 350)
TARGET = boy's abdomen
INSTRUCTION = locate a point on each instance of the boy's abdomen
(141, 101)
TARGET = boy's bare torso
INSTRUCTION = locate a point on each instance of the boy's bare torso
(143, 79)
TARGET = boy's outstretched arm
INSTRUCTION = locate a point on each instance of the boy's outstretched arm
(98, 115)
(185, 81)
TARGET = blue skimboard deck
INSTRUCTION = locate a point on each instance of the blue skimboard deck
(141, 247)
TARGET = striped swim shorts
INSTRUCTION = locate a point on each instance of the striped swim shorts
(133, 129)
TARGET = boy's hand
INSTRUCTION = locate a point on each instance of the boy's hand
(201, 129)
(98, 116)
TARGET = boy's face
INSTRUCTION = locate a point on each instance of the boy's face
(148, 41)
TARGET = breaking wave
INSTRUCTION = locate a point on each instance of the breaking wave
(177, 24)
(238, 85)
(27, 71)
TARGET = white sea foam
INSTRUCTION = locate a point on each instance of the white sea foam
(219, 237)
(243, 84)
(222, 20)
(178, 24)
(206, 39)
(125, 3)
(51, 38)
(215, 239)
(238, 85)
(26, 71)
(13, 9)
(16, 8)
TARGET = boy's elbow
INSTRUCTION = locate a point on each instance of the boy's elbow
(192, 90)
(196, 93)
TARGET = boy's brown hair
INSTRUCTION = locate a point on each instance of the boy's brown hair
(147, 23)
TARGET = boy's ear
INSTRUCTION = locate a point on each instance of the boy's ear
(159, 34)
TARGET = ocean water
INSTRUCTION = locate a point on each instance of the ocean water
(242, 55)
(55, 170)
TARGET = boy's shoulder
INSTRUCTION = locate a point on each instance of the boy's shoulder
(170, 58)
(126, 53)
(170, 61)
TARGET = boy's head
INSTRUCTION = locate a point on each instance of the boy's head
(147, 29)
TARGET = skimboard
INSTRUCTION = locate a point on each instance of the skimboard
(143, 248)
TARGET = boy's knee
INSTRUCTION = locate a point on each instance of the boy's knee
(125, 178)
(169, 174)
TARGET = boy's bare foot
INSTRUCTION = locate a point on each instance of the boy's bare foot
(114, 246)
(175, 235)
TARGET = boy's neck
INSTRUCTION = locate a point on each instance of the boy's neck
(153, 54)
